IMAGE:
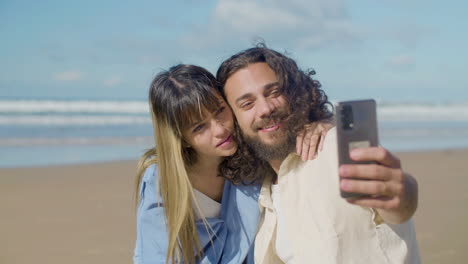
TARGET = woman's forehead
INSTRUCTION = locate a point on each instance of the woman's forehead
(200, 112)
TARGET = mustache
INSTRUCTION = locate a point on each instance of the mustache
(275, 117)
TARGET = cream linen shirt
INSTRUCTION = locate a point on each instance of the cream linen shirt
(322, 226)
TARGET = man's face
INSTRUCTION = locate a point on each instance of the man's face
(261, 110)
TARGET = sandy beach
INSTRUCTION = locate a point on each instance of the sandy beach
(85, 213)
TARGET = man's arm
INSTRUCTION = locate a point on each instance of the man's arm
(393, 193)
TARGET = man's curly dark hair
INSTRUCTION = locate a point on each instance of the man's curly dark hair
(307, 102)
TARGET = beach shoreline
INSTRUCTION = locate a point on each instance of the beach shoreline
(85, 213)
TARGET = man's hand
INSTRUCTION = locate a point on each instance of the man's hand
(392, 192)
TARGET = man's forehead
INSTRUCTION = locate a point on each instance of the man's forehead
(252, 77)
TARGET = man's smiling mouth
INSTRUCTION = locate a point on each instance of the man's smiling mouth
(270, 128)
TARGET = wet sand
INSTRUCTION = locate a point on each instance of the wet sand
(86, 214)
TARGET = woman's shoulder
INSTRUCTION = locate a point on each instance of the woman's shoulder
(149, 190)
(243, 192)
(150, 175)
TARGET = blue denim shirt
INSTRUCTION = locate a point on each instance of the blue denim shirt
(234, 230)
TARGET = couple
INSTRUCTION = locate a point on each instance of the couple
(269, 205)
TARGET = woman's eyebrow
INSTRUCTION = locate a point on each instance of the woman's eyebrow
(195, 121)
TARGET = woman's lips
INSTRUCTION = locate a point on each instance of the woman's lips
(225, 141)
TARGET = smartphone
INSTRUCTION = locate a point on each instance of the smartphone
(356, 127)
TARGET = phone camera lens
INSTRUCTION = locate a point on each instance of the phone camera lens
(347, 117)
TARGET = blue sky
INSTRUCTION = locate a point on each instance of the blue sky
(390, 50)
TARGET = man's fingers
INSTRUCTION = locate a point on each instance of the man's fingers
(377, 202)
(367, 172)
(377, 154)
(374, 188)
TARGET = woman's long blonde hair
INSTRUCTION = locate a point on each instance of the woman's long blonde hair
(177, 97)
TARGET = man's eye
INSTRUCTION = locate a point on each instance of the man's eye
(275, 92)
(246, 105)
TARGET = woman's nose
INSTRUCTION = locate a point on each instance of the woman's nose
(217, 127)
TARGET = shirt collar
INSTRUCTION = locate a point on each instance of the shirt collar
(291, 162)
(264, 200)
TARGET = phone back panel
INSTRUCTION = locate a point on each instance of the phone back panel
(363, 131)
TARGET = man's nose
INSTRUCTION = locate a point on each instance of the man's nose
(266, 107)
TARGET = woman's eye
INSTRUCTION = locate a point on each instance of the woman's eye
(220, 110)
(198, 128)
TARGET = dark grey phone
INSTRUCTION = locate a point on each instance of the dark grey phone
(356, 127)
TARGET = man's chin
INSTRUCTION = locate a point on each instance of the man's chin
(273, 138)
(273, 144)
(272, 147)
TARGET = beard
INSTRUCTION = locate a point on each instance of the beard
(284, 139)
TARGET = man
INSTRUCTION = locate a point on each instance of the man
(304, 218)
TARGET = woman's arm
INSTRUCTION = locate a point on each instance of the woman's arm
(152, 234)
(151, 241)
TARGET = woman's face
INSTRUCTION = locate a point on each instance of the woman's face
(212, 137)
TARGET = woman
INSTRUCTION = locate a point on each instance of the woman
(186, 213)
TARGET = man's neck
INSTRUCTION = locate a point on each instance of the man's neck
(276, 164)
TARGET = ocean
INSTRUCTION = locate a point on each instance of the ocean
(55, 132)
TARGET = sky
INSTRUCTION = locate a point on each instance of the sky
(390, 50)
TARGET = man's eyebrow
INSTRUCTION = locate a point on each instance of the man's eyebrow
(244, 96)
(266, 87)
(270, 85)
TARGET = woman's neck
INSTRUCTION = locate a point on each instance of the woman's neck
(204, 177)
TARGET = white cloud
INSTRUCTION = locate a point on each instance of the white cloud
(68, 76)
(409, 35)
(295, 23)
(112, 81)
(401, 61)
